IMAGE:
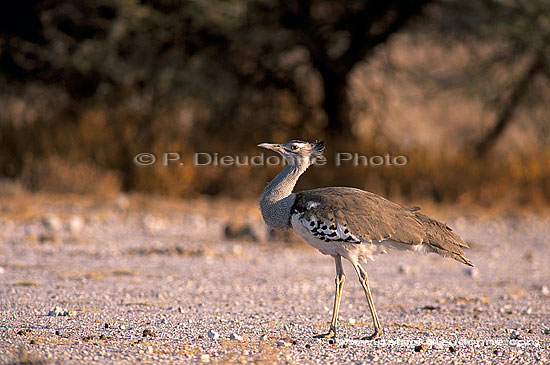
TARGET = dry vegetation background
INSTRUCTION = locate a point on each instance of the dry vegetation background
(462, 90)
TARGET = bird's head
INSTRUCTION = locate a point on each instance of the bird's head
(297, 152)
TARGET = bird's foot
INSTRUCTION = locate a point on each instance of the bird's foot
(377, 333)
(330, 334)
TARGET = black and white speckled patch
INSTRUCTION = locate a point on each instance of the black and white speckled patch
(325, 229)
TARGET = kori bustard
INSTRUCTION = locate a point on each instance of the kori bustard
(349, 223)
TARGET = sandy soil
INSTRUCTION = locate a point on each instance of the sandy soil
(132, 279)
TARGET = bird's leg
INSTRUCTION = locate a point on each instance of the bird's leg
(365, 284)
(339, 281)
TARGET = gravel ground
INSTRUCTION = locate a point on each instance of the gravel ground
(82, 283)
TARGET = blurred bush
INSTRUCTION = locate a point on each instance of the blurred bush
(86, 86)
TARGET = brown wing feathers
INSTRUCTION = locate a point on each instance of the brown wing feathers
(443, 240)
(373, 218)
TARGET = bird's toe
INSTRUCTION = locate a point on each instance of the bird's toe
(377, 333)
(329, 334)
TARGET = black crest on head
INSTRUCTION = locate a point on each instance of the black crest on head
(319, 146)
(317, 150)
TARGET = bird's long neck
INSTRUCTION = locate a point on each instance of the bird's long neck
(277, 199)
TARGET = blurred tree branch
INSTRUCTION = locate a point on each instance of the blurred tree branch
(509, 45)
(505, 115)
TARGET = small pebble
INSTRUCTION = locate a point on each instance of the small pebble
(430, 307)
(405, 269)
(419, 348)
(148, 332)
(205, 358)
(53, 223)
(515, 335)
(56, 312)
(75, 224)
(213, 335)
(180, 309)
(122, 327)
(235, 337)
(282, 343)
(472, 272)
(47, 238)
(546, 331)
(237, 250)
(150, 349)
(60, 312)
(452, 349)
(152, 224)
(351, 321)
(545, 290)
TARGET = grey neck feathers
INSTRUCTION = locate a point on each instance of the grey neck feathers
(277, 199)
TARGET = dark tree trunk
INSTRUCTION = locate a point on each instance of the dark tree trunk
(507, 112)
(367, 23)
(336, 104)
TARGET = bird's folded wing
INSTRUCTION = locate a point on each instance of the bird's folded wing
(367, 216)
(371, 218)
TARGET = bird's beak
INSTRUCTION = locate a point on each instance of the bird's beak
(270, 146)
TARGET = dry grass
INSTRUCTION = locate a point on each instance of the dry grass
(510, 182)
(57, 175)
(26, 283)
(251, 351)
(98, 160)
(175, 251)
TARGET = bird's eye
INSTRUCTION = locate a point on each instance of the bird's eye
(294, 147)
